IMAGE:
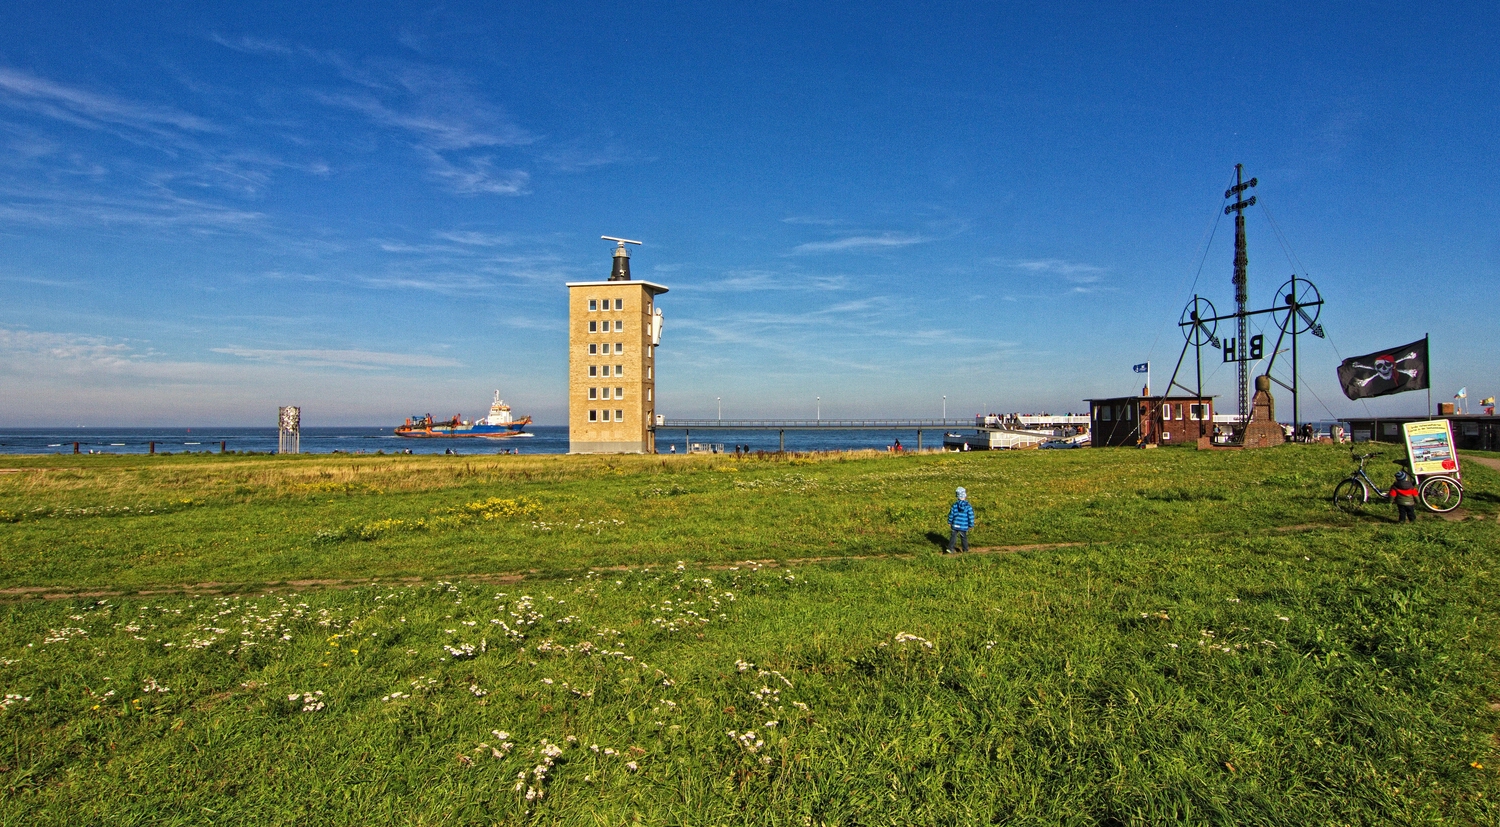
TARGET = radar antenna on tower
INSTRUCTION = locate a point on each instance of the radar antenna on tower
(621, 271)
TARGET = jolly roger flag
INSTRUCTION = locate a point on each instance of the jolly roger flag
(1385, 372)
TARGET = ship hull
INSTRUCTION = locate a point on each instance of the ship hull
(446, 431)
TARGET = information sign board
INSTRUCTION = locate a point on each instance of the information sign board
(1429, 446)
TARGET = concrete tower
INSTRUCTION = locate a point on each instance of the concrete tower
(613, 329)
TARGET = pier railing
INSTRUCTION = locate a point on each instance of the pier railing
(812, 424)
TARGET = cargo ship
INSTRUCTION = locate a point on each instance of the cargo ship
(498, 425)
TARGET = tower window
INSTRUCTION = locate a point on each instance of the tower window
(593, 370)
(593, 393)
(593, 349)
(606, 414)
(648, 373)
(619, 325)
(619, 370)
(606, 370)
(619, 347)
(593, 304)
(606, 392)
(648, 394)
(593, 327)
(619, 415)
(593, 415)
(619, 304)
(619, 393)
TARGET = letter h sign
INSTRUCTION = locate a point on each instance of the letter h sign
(1257, 350)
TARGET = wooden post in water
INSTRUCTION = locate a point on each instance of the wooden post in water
(151, 448)
(222, 443)
(75, 447)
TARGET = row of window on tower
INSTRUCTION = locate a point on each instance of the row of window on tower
(603, 370)
(603, 393)
(596, 415)
(603, 327)
(603, 304)
(604, 348)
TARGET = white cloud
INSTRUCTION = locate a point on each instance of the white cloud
(474, 239)
(91, 109)
(861, 242)
(354, 359)
(76, 349)
(480, 176)
(1071, 270)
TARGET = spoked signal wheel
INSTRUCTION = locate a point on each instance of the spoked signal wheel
(1349, 497)
(1441, 494)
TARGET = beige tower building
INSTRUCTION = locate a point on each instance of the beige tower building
(613, 329)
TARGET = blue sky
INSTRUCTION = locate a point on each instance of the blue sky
(371, 211)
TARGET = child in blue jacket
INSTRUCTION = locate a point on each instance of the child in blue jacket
(960, 520)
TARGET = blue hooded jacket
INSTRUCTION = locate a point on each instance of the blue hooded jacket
(961, 515)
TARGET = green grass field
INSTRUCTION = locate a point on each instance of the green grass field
(1145, 637)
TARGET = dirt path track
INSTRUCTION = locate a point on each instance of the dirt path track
(20, 593)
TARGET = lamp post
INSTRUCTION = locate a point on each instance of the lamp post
(720, 400)
(945, 407)
(820, 409)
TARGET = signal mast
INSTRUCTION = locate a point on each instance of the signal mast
(1295, 311)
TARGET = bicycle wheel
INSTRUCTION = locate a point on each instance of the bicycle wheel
(1441, 494)
(1349, 497)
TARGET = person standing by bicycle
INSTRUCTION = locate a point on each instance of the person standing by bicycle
(1404, 492)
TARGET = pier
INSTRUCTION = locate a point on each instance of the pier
(781, 426)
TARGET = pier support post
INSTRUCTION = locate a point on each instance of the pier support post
(781, 435)
(919, 440)
(151, 448)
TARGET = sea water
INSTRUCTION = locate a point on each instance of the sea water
(543, 439)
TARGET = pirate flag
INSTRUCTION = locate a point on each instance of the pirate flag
(1385, 372)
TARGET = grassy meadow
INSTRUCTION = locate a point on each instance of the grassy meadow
(1143, 637)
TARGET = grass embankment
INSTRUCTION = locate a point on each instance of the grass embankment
(1189, 661)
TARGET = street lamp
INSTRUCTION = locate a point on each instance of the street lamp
(820, 409)
(720, 400)
(945, 407)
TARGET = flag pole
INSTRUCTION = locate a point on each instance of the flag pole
(1427, 347)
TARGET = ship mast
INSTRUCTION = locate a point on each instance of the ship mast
(1241, 288)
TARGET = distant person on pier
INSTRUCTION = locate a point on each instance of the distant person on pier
(960, 520)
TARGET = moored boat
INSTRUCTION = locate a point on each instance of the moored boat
(498, 425)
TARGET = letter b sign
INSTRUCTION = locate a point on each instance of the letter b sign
(1256, 350)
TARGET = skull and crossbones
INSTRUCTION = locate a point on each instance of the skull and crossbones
(1385, 368)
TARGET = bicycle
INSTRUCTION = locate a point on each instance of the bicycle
(1439, 493)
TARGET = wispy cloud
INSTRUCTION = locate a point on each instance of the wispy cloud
(92, 109)
(747, 281)
(72, 348)
(815, 221)
(477, 176)
(1061, 267)
(475, 239)
(349, 359)
(861, 242)
(1084, 278)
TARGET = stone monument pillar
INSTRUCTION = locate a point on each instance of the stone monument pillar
(1262, 430)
